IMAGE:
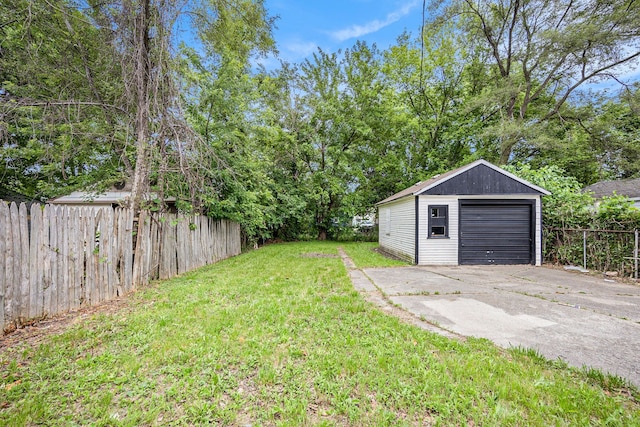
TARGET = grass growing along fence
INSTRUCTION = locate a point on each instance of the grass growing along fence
(606, 250)
(62, 258)
(277, 337)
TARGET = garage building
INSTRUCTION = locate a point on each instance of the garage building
(476, 214)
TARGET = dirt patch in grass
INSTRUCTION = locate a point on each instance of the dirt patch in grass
(318, 255)
(36, 330)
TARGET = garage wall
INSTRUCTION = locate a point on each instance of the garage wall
(538, 236)
(397, 228)
(441, 251)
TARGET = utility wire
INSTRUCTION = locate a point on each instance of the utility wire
(424, 6)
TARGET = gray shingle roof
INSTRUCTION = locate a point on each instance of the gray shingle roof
(622, 187)
(422, 185)
(108, 197)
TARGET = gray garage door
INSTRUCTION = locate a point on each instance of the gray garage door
(496, 233)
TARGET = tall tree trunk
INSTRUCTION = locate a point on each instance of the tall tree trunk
(141, 173)
(505, 151)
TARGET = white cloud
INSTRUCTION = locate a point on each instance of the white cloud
(301, 48)
(373, 26)
(292, 51)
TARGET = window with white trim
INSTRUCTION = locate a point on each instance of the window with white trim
(438, 221)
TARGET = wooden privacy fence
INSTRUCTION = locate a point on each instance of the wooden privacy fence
(55, 259)
(174, 244)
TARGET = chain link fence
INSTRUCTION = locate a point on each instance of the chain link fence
(602, 250)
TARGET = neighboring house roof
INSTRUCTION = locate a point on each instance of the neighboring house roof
(623, 187)
(438, 180)
(92, 198)
(87, 197)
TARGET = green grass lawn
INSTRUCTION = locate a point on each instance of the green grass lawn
(277, 337)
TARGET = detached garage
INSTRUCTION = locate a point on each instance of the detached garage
(477, 214)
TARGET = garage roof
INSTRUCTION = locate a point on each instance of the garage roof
(481, 183)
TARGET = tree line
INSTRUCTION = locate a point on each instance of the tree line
(166, 95)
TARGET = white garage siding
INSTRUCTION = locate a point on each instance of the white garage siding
(397, 228)
(438, 251)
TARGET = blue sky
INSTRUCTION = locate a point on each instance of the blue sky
(305, 25)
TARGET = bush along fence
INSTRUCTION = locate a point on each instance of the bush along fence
(602, 250)
(54, 259)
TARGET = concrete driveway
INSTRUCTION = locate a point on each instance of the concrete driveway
(581, 319)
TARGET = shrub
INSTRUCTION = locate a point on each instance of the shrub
(568, 210)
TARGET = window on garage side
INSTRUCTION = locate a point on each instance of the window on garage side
(438, 221)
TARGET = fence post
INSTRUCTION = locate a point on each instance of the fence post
(584, 249)
(635, 254)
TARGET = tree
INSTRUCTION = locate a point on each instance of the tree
(542, 51)
(216, 166)
(324, 136)
(567, 206)
(329, 129)
(110, 69)
(376, 156)
(59, 112)
(227, 171)
(614, 135)
(435, 80)
(140, 35)
(597, 138)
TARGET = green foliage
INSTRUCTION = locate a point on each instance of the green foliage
(59, 129)
(537, 54)
(567, 206)
(613, 135)
(616, 213)
(569, 210)
(298, 151)
(331, 114)
(348, 233)
(597, 139)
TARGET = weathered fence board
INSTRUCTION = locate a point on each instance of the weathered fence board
(11, 263)
(75, 268)
(4, 231)
(24, 266)
(54, 251)
(54, 259)
(35, 263)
